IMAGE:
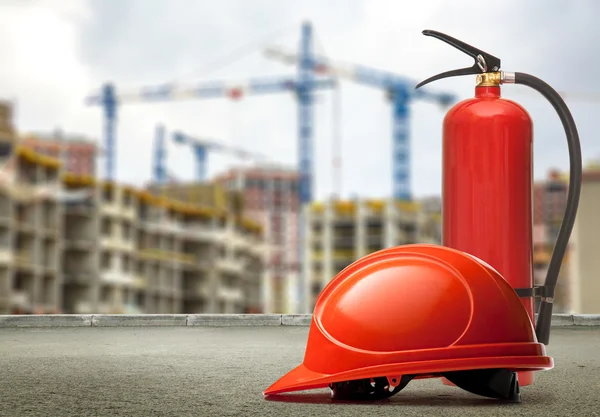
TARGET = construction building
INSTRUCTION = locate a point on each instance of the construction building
(585, 246)
(30, 226)
(77, 154)
(154, 254)
(211, 194)
(340, 232)
(430, 220)
(549, 202)
(72, 244)
(270, 195)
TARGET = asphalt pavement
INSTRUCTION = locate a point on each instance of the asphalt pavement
(221, 371)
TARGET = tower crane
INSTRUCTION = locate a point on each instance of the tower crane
(161, 175)
(159, 171)
(303, 85)
(201, 146)
(400, 91)
(109, 100)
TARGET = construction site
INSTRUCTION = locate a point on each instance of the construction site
(299, 208)
(74, 244)
(249, 239)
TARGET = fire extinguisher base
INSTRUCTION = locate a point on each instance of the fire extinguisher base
(501, 384)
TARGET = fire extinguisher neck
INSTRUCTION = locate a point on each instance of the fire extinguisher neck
(487, 92)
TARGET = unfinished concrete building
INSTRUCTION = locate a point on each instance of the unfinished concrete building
(76, 153)
(30, 226)
(99, 253)
(270, 194)
(153, 254)
(549, 202)
(340, 232)
(72, 244)
(228, 248)
(585, 246)
(81, 253)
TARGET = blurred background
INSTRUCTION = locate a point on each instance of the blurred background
(232, 157)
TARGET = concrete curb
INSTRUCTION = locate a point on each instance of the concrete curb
(54, 320)
(221, 320)
(296, 319)
(211, 320)
(122, 320)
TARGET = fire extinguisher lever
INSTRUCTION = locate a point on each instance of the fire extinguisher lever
(484, 62)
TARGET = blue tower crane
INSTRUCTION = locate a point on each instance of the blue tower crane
(109, 100)
(201, 146)
(160, 175)
(400, 91)
(303, 85)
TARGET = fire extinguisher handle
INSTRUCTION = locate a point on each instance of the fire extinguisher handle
(484, 62)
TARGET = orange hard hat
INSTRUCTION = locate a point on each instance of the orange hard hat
(417, 311)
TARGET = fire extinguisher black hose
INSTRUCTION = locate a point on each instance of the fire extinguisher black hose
(545, 310)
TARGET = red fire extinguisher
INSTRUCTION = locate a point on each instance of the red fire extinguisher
(488, 176)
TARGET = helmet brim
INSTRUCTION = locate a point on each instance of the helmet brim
(298, 379)
(301, 378)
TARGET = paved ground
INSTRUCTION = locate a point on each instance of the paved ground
(183, 371)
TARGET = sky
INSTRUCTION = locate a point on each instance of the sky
(56, 52)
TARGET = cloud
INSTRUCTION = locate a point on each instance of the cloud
(41, 71)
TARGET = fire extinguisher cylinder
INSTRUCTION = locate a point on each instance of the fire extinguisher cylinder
(487, 146)
(486, 184)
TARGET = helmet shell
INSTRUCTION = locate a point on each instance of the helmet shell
(415, 310)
